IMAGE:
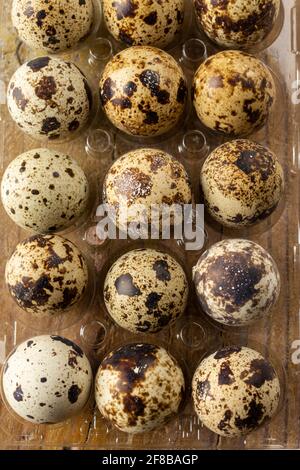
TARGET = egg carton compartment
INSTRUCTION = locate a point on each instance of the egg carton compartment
(193, 335)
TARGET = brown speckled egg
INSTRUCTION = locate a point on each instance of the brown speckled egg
(145, 290)
(237, 282)
(46, 275)
(52, 26)
(139, 387)
(45, 191)
(235, 390)
(49, 98)
(242, 183)
(143, 23)
(233, 93)
(145, 177)
(143, 91)
(237, 24)
(47, 379)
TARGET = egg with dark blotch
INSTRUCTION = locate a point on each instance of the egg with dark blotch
(143, 91)
(44, 190)
(49, 99)
(139, 387)
(237, 282)
(233, 93)
(142, 179)
(237, 24)
(46, 275)
(242, 183)
(143, 23)
(53, 26)
(145, 290)
(235, 390)
(47, 379)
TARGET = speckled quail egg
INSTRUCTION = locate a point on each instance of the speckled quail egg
(139, 387)
(235, 390)
(47, 379)
(52, 26)
(46, 275)
(242, 183)
(143, 23)
(237, 282)
(49, 98)
(143, 178)
(237, 24)
(233, 93)
(44, 190)
(143, 91)
(145, 290)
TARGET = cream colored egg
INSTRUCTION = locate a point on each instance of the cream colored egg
(143, 23)
(235, 390)
(237, 282)
(46, 275)
(143, 91)
(139, 387)
(44, 191)
(47, 379)
(233, 93)
(145, 290)
(144, 179)
(237, 24)
(53, 26)
(49, 99)
(242, 183)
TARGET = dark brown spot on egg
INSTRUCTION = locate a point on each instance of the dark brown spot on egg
(30, 293)
(151, 118)
(226, 376)
(73, 393)
(125, 37)
(161, 269)
(133, 184)
(133, 407)
(107, 91)
(68, 343)
(130, 88)
(151, 80)
(73, 125)
(70, 172)
(224, 424)
(38, 64)
(50, 124)
(152, 301)
(125, 286)
(151, 19)
(18, 393)
(40, 16)
(260, 371)
(123, 103)
(46, 88)
(226, 352)
(254, 417)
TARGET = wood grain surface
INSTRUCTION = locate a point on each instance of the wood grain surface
(279, 235)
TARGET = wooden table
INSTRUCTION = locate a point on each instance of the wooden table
(281, 239)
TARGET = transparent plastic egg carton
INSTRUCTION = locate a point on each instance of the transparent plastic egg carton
(193, 335)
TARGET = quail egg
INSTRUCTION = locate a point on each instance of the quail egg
(143, 23)
(46, 275)
(145, 290)
(52, 26)
(237, 282)
(233, 93)
(237, 24)
(44, 190)
(47, 379)
(143, 178)
(242, 183)
(235, 390)
(143, 91)
(139, 387)
(49, 98)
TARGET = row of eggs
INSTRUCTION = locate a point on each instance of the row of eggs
(143, 92)
(58, 27)
(139, 386)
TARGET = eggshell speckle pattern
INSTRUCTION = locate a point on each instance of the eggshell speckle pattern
(143, 23)
(45, 191)
(145, 177)
(242, 183)
(233, 93)
(143, 91)
(235, 390)
(139, 387)
(49, 98)
(47, 379)
(237, 24)
(46, 275)
(145, 290)
(237, 282)
(52, 26)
